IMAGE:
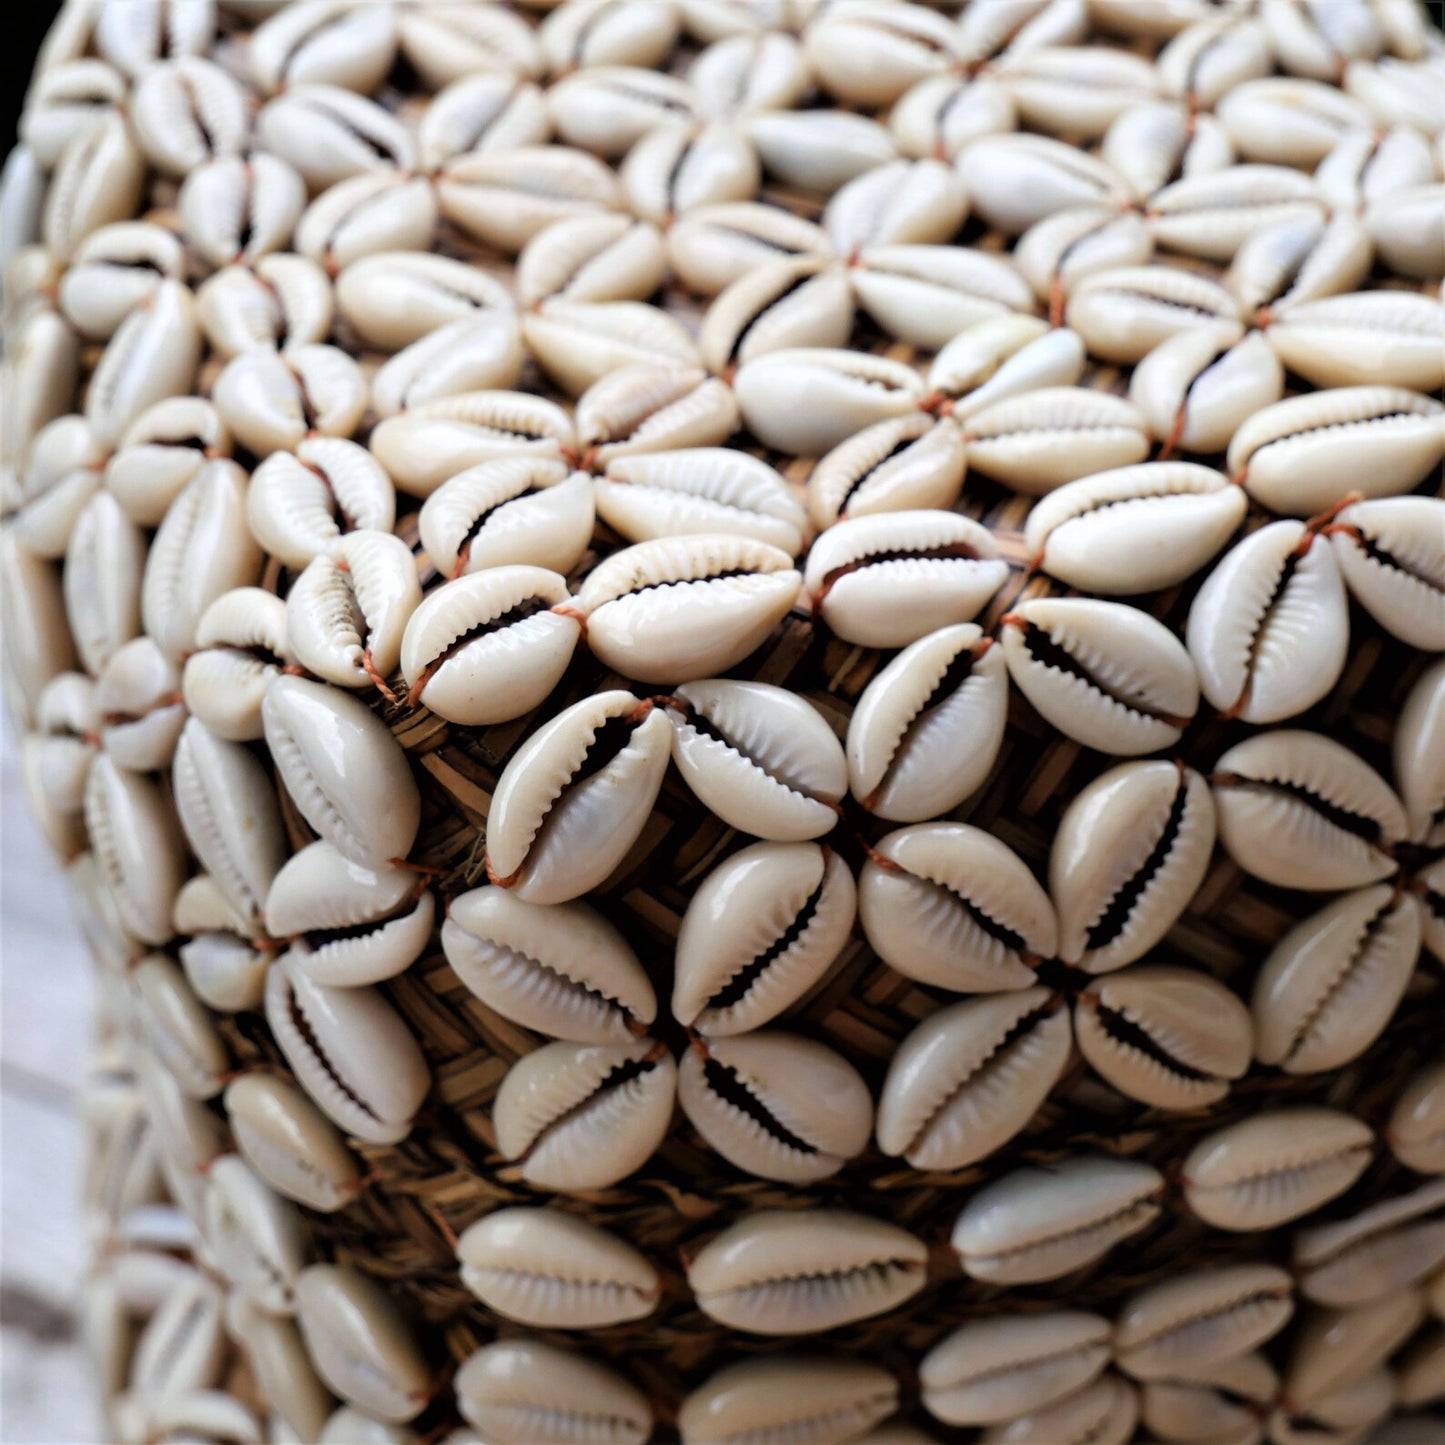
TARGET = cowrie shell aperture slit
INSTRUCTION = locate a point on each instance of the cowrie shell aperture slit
(910, 463)
(1392, 556)
(654, 408)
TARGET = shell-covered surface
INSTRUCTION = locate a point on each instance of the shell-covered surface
(641, 802)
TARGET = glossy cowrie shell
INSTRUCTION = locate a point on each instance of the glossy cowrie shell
(776, 1105)
(552, 1270)
(186, 110)
(140, 706)
(942, 114)
(680, 167)
(1037, 1224)
(900, 203)
(377, 212)
(255, 1236)
(281, 1363)
(467, 355)
(1301, 810)
(606, 257)
(1107, 675)
(1368, 166)
(99, 178)
(1016, 180)
(1392, 557)
(803, 301)
(584, 1116)
(114, 271)
(1405, 228)
(54, 763)
(1416, 1128)
(226, 970)
(101, 581)
(713, 246)
(972, 359)
(161, 452)
(1106, 1411)
(1125, 312)
(1155, 142)
(40, 376)
(183, 1346)
(904, 464)
(793, 1272)
(553, 837)
(327, 134)
(760, 931)
(444, 43)
(1060, 249)
(1129, 854)
(1211, 216)
(971, 1076)
(1075, 90)
(1226, 1399)
(760, 757)
(281, 301)
(1396, 92)
(745, 72)
(394, 298)
(236, 209)
(678, 608)
(1274, 1167)
(886, 580)
(1334, 1350)
(274, 401)
(951, 906)
(481, 112)
(608, 109)
(654, 429)
(1287, 121)
(177, 1027)
(868, 54)
(67, 100)
(818, 150)
(1419, 756)
(1394, 338)
(326, 42)
(927, 730)
(1299, 260)
(1316, 41)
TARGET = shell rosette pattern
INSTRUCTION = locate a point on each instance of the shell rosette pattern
(742, 698)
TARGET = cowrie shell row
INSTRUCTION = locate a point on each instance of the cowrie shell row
(177, 1027)
(1108, 1410)
(1212, 215)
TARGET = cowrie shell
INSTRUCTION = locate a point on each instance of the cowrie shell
(186, 110)
(1075, 90)
(1287, 121)
(255, 1236)
(1016, 180)
(1397, 93)
(177, 1028)
(1041, 1224)
(678, 608)
(577, 343)
(740, 73)
(361, 1346)
(1105, 674)
(713, 246)
(64, 101)
(347, 612)
(1225, 1400)
(904, 464)
(274, 401)
(951, 906)
(772, 1273)
(98, 179)
(154, 30)
(444, 43)
(505, 197)
(63, 469)
(799, 302)
(868, 54)
(489, 646)
(290, 1144)
(1038, 440)
(424, 445)
(1368, 166)
(1106, 1411)
(529, 511)
(42, 369)
(1390, 338)
(163, 450)
(201, 549)
(1058, 251)
(1419, 756)
(1300, 260)
(481, 112)
(927, 730)
(1196, 1321)
(1124, 313)
(279, 1359)
(393, 298)
(326, 42)
(345, 772)
(1213, 215)
(1129, 854)
(141, 710)
(1316, 42)
(182, 1346)
(818, 150)
(886, 580)
(327, 133)
(761, 758)
(605, 257)
(1405, 227)
(607, 109)
(560, 969)
(226, 971)
(55, 759)
(998, 26)
(1269, 629)
(302, 503)
(971, 1076)
(526, 1392)
(811, 1397)
(1154, 142)
(646, 409)
(992, 1370)
(284, 300)
(1392, 558)
(466, 355)
(377, 212)
(1336, 1349)
(240, 208)
(552, 836)
(679, 167)
(553, 1270)
(102, 580)
(900, 203)
(584, 1116)
(974, 356)
(1299, 809)
(760, 931)
(941, 114)
(1274, 1167)
(1174, 1038)
(350, 1051)
(114, 271)
(1416, 1128)
(776, 1105)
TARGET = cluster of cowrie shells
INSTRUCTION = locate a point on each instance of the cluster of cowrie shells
(513, 443)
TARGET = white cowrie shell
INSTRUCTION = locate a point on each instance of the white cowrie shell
(607, 109)
(481, 112)
(577, 343)
(36, 640)
(1106, 1411)
(1014, 181)
(886, 580)
(360, 1344)
(301, 504)
(606, 257)
(489, 646)
(738, 74)
(137, 847)
(282, 301)
(65, 101)
(1274, 1167)
(1405, 227)
(227, 972)
(712, 247)
(99, 179)
(1392, 558)
(394, 298)
(818, 150)
(102, 580)
(976, 354)
(141, 709)
(800, 302)
(606, 32)
(770, 1273)
(274, 401)
(1301, 810)
(114, 271)
(38, 384)
(1075, 90)
(552, 1270)
(202, 549)
(1301, 455)
(1228, 1409)
(1419, 756)
(1368, 166)
(162, 451)
(186, 110)
(240, 646)
(350, 1051)
(1213, 215)
(466, 355)
(344, 770)
(584, 1116)
(152, 30)
(941, 114)
(376, 212)
(681, 167)
(1287, 121)
(1129, 853)
(927, 729)
(680, 411)
(1316, 41)
(761, 930)
(1390, 338)
(903, 464)
(760, 757)
(182, 1346)
(255, 1236)
(327, 134)
(1269, 629)
(1124, 313)
(868, 54)
(203, 907)
(526, 1392)
(951, 906)
(1330, 986)
(1336, 1349)
(971, 1076)
(776, 1105)
(1396, 93)
(1158, 141)
(326, 42)
(528, 511)
(505, 197)
(992, 1370)
(1042, 1224)
(560, 969)
(903, 202)
(1039, 440)
(290, 1144)
(240, 208)
(1300, 260)
(553, 838)
(177, 1028)
(1058, 251)
(279, 1359)
(446, 42)
(1416, 1128)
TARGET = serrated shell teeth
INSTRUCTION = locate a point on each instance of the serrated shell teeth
(366, 215)
(1124, 313)
(560, 969)
(796, 302)
(907, 463)
(577, 343)
(379, 944)
(783, 1272)
(240, 646)
(650, 408)
(1057, 252)
(1392, 556)
(1391, 338)
(1419, 754)
(592, 258)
